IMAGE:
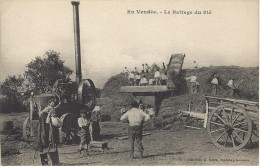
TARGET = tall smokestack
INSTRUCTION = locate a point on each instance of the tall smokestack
(77, 40)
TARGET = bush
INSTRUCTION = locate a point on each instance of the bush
(7, 106)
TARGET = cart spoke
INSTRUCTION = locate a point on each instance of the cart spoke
(220, 118)
(232, 138)
(225, 115)
(226, 141)
(238, 136)
(231, 114)
(220, 136)
(241, 123)
(255, 134)
(240, 130)
(217, 130)
(215, 123)
(236, 118)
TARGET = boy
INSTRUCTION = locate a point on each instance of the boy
(85, 129)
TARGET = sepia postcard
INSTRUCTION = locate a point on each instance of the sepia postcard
(139, 83)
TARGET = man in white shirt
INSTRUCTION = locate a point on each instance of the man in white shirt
(137, 79)
(143, 81)
(164, 78)
(157, 77)
(214, 83)
(136, 117)
(193, 80)
(131, 78)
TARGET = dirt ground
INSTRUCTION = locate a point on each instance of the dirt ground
(183, 147)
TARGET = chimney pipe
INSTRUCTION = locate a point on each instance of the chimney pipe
(75, 5)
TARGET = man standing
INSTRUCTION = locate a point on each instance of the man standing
(95, 118)
(231, 87)
(131, 78)
(193, 80)
(157, 76)
(214, 83)
(136, 118)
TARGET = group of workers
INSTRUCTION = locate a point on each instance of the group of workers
(48, 136)
(195, 85)
(49, 133)
(144, 77)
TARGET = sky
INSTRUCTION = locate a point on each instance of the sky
(111, 39)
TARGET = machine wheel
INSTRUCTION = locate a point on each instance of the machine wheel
(229, 127)
(69, 129)
(87, 93)
(27, 129)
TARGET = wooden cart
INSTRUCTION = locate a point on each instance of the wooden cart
(231, 123)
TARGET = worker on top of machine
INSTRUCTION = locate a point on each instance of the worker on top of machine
(137, 79)
(131, 78)
(157, 77)
(164, 78)
(147, 68)
(214, 83)
(143, 81)
(125, 71)
(151, 81)
(136, 71)
(95, 118)
(136, 118)
(85, 130)
(163, 68)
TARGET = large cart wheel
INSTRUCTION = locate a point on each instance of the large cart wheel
(69, 129)
(229, 127)
(87, 93)
(27, 129)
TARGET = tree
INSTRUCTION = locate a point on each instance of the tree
(12, 101)
(10, 87)
(45, 71)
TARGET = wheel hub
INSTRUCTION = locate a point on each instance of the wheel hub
(228, 128)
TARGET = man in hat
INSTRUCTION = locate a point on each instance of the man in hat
(95, 118)
(48, 134)
(85, 130)
(136, 117)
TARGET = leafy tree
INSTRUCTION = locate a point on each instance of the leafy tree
(45, 71)
(12, 101)
(10, 88)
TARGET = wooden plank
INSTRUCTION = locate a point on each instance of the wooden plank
(194, 114)
(233, 100)
(148, 89)
(206, 115)
(192, 127)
